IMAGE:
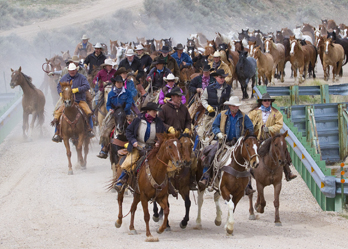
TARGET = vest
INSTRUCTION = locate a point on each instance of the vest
(223, 121)
(213, 98)
(141, 133)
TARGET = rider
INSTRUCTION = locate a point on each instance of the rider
(171, 80)
(84, 48)
(231, 123)
(80, 86)
(144, 57)
(141, 134)
(95, 59)
(76, 61)
(217, 63)
(181, 57)
(268, 120)
(157, 74)
(200, 82)
(132, 63)
(117, 97)
(128, 83)
(169, 60)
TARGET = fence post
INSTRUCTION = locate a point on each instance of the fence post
(294, 95)
(342, 130)
(324, 93)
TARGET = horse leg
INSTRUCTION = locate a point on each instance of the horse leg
(33, 119)
(85, 150)
(155, 216)
(185, 220)
(260, 208)
(295, 75)
(230, 218)
(334, 70)
(326, 71)
(277, 189)
(79, 148)
(200, 203)
(282, 72)
(218, 209)
(251, 208)
(118, 222)
(68, 154)
(136, 200)
(25, 123)
(165, 206)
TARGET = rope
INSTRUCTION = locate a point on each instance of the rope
(222, 154)
(208, 135)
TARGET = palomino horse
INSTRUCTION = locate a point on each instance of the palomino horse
(269, 172)
(333, 56)
(265, 69)
(152, 182)
(277, 51)
(72, 125)
(233, 179)
(33, 101)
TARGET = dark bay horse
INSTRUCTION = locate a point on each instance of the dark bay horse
(153, 182)
(269, 172)
(233, 179)
(73, 125)
(33, 101)
(246, 71)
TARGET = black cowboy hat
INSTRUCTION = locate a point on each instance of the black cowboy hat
(179, 47)
(174, 91)
(219, 72)
(165, 49)
(117, 78)
(159, 61)
(266, 96)
(150, 106)
(207, 68)
(121, 70)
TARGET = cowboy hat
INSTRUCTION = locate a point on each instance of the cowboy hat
(170, 77)
(219, 72)
(217, 54)
(84, 37)
(234, 100)
(117, 78)
(108, 62)
(175, 91)
(179, 47)
(266, 96)
(72, 67)
(74, 59)
(159, 61)
(165, 49)
(150, 106)
(139, 47)
(98, 45)
(130, 52)
(207, 68)
(121, 70)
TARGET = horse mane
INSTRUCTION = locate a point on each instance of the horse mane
(162, 138)
(65, 84)
(29, 80)
(265, 146)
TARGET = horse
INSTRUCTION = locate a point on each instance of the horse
(120, 55)
(33, 101)
(308, 29)
(269, 172)
(342, 42)
(230, 58)
(299, 35)
(321, 49)
(210, 48)
(265, 69)
(185, 79)
(246, 70)
(66, 55)
(113, 49)
(152, 47)
(199, 61)
(72, 125)
(287, 32)
(152, 182)
(277, 51)
(158, 44)
(191, 46)
(101, 108)
(232, 179)
(168, 42)
(333, 56)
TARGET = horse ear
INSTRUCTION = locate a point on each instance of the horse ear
(12, 70)
(20, 69)
(246, 133)
(70, 83)
(285, 134)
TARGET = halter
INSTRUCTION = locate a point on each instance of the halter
(246, 163)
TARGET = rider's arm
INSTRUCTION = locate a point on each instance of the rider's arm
(216, 124)
(204, 98)
(278, 121)
(84, 85)
(108, 103)
(188, 60)
(129, 102)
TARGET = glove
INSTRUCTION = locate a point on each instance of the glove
(148, 78)
(265, 129)
(165, 100)
(50, 74)
(220, 135)
(85, 65)
(210, 109)
(187, 130)
(60, 94)
(75, 90)
(171, 130)
(126, 145)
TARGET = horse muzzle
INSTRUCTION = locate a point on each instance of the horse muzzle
(12, 85)
(67, 103)
(254, 163)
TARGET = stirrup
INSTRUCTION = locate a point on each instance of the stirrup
(102, 154)
(120, 188)
(56, 138)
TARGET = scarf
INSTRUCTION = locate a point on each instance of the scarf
(117, 90)
(205, 82)
(160, 71)
(125, 84)
(264, 109)
(176, 106)
(149, 118)
(216, 65)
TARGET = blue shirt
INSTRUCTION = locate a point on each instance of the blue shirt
(232, 131)
(184, 57)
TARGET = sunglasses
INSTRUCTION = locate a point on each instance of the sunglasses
(170, 80)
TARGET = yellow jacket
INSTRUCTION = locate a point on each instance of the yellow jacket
(227, 70)
(274, 122)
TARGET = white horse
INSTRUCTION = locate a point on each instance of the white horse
(120, 54)
(299, 35)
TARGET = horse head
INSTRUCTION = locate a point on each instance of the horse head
(186, 148)
(249, 146)
(170, 146)
(119, 116)
(66, 55)
(67, 94)
(16, 74)
(328, 43)
(278, 148)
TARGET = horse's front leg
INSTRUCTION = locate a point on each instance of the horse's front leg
(251, 208)
(79, 149)
(200, 203)
(261, 202)
(68, 154)
(120, 196)
(85, 150)
(155, 216)
(185, 220)
(277, 189)
(229, 227)
(25, 123)
(136, 200)
(34, 115)
(165, 206)
(218, 209)
(149, 237)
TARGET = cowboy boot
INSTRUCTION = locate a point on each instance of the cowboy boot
(193, 183)
(203, 182)
(249, 189)
(90, 133)
(121, 182)
(104, 152)
(288, 174)
(56, 138)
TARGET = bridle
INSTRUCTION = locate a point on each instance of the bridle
(246, 162)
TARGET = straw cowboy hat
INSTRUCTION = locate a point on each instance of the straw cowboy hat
(84, 37)
(175, 91)
(234, 100)
(139, 47)
(98, 45)
(217, 54)
(121, 70)
(72, 67)
(179, 47)
(130, 52)
(170, 77)
(219, 72)
(108, 62)
(165, 49)
(266, 96)
(74, 59)
(150, 106)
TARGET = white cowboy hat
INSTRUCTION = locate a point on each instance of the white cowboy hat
(234, 100)
(170, 77)
(139, 47)
(98, 45)
(72, 67)
(108, 62)
(217, 54)
(84, 37)
(130, 52)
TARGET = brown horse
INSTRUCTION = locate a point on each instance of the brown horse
(185, 79)
(233, 179)
(321, 50)
(72, 125)
(277, 51)
(210, 48)
(33, 101)
(333, 56)
(153, 182)
(265, 67)
(269, 172)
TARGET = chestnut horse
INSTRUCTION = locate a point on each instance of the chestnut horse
(72, 125)
(269, 172)
(152, 182)
(233, 179)
(277, 51)
(265, 69)
(333, 56)
(33, 101)
(210, 48)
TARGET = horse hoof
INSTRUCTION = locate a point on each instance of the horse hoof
(278, 224)
(252, 217)
(70, 172)
(159, 231)
(118, 223)
(198, 227)
(151, 239)
(155, 219)
(133, 232)
(218, 223)
(168, 229)
(182, 226)
(229, 232)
